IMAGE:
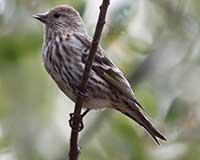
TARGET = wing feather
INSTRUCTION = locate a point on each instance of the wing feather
(107, 70)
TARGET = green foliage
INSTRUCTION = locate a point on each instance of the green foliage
(148, 98)
(178, 111)
(14, 48)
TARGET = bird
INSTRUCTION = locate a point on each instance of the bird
(65, 51)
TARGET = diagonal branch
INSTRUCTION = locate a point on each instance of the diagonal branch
(74, 150)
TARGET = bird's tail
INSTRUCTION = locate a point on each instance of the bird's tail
(136, 114)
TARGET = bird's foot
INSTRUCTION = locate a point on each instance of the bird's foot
(75, 118)
(76, 122)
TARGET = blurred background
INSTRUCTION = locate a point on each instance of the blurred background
(156, 43)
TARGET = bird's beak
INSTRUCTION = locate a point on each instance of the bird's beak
(42, 17)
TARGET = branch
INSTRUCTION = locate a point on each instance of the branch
(74, 150)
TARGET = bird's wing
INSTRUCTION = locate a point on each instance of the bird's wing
(107, 70)
(113, 76)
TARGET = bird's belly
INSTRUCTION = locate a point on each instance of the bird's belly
(89, 102)
(96, 103)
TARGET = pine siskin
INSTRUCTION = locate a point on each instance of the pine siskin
(65, 52)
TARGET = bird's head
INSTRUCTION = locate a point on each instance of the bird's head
(61, 18)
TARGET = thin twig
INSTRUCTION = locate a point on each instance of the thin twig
(74, 149)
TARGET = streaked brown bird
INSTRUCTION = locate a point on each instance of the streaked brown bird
(65, 52)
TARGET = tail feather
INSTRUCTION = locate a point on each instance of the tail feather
(140, 118)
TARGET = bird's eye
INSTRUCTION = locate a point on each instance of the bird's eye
(56, 15)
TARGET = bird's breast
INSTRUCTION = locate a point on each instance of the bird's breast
(63, 64)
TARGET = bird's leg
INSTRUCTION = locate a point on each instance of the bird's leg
(74, 117)
(84, 113)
